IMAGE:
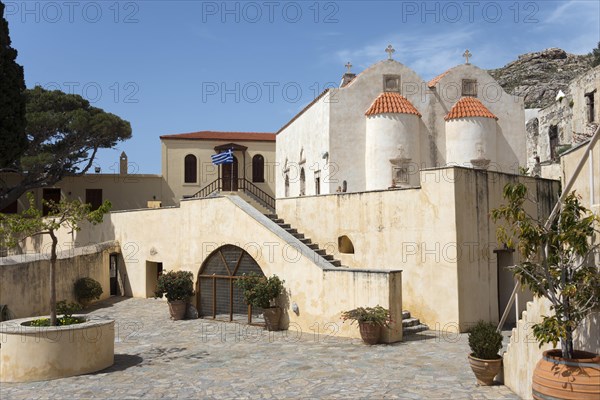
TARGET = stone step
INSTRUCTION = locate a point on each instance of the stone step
(277, 220)
(328, 257)
(410, 322)
(292, 230)
(300, 237)
(414, 329)
(272, 216)
(336, 263)
(405, 314)
(313, 246)
(321, 252)
(285, 226)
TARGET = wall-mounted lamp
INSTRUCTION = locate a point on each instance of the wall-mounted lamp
(325, 155)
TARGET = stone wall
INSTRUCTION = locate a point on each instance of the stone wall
(24, 279)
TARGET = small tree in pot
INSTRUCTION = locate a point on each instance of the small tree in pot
(485, 342)
(261, 292)
(558, 265)
(178, 287)
(370, 320)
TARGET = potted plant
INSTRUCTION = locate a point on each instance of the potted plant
(485, 342)
(86, 290)
(370, 320)
(178, 287)
(558, 264)
(261, 292)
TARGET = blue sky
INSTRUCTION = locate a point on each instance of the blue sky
(183, 66)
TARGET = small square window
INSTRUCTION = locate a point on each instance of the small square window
(469, 87)
(391, 83)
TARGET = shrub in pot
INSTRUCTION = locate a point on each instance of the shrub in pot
(261, 292)
(558, 265)
(485, 342)
(370, 320)
(177, 287)
(86, 290)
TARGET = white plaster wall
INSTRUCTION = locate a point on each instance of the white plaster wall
(183, 237)
(511, 135)
(465, 137)
(439, 234)
(386, 134)
(309, 132)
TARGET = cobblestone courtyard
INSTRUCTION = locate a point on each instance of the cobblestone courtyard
(158, 358)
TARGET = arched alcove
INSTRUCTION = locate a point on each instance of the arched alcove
(345, 245)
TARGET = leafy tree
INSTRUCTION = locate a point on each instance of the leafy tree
(558, 261)
(596, 56)
(64, 134)
(12, 101)
(31, 222)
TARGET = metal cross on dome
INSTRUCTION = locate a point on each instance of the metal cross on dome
(466, 55)
(348, 65)
(390, 50)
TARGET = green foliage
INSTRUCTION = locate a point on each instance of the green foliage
(558, 261)
(371, 315)
(31, 222)
(67, 310)
(65, 133)
(259, 291)
(87, 289)
(12, 100)
(596, 56)
(176, 285)
(485, 341)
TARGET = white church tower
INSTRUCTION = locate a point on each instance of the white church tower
(392, 145)
(470, 134)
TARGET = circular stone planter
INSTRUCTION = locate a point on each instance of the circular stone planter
(31, 353)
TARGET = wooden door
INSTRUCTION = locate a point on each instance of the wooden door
(230, 176)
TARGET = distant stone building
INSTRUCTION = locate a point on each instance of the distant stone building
(569, 121)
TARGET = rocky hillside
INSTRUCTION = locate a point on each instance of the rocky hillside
(539, 76)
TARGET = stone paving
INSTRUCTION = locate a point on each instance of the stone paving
(157, 358)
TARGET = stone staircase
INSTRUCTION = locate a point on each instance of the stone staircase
(411, 325)
(250, 200)
(300, 236)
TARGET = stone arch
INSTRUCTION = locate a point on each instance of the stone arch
(218, 296)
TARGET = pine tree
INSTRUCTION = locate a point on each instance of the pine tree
(13, 141)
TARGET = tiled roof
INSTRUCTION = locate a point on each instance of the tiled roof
(435, 80)
(469, 107)
(213, 135)
(393, 103)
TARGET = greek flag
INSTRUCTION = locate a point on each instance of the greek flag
(225, 157)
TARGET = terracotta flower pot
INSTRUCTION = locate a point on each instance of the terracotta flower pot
(485, 370)
(272, 317)
(369, 333)
(177, 309)
(555, 377)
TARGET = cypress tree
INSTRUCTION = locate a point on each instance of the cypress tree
(13, 140)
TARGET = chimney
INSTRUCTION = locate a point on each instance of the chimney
(123, 164)
(348, 76)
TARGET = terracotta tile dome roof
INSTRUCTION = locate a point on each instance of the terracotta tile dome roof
(392, 103)
(469, 107)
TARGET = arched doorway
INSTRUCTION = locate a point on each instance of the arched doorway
(230, 176)
(218, 296)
